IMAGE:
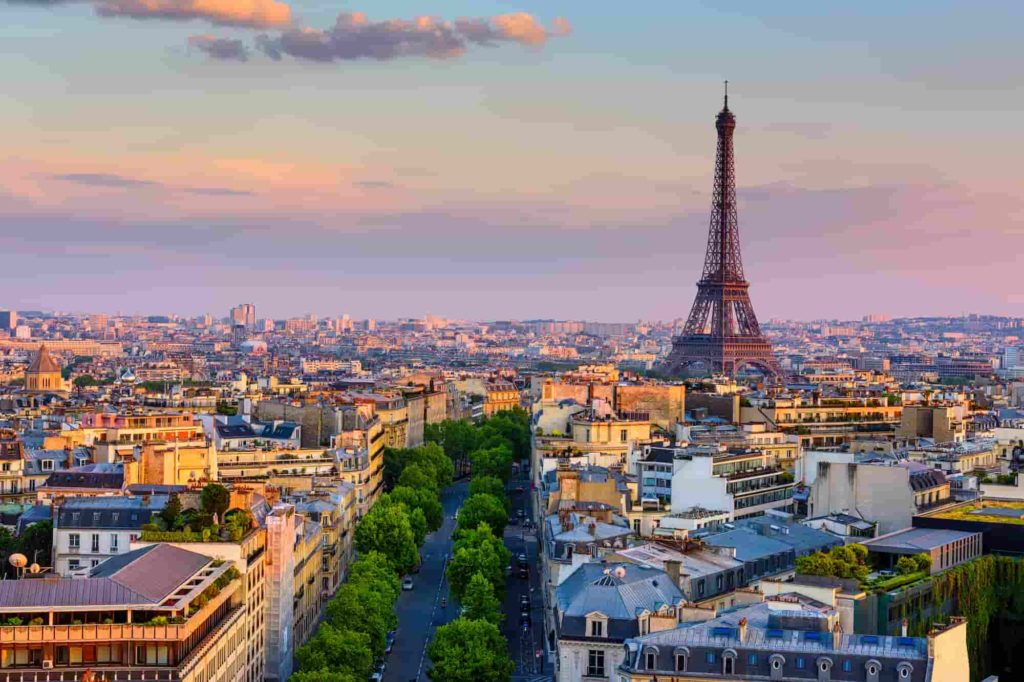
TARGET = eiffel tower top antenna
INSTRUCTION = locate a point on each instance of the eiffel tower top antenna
(726, 108)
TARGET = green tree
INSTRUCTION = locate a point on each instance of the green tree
(215, 499)
(483, 508)
(423, 500)
(337, 650)
(171, 512)
(479, 600)
(923, 561)
(469, 651)
(373, 570)
(85, 381)
(323, 676)
(36, 543)
(906, 565)
(395, 461)
(363, 610)
(419, 476)
(386, 529)
(433, 456)
(478, 551)
(488, 485)
(493, 461)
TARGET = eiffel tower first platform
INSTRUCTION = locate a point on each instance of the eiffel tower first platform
(721, 334)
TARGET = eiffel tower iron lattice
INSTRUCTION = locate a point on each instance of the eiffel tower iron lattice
(722, 334)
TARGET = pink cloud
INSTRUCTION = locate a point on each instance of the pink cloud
(354, 36)
(248, 13)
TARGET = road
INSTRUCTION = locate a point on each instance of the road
(524, 645)
(419, 610)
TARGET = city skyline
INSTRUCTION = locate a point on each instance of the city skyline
(203, 165)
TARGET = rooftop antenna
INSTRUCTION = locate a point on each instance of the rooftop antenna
(726, 95)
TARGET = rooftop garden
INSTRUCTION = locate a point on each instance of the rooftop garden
(212, 522)
(851, 561)
(974, 511)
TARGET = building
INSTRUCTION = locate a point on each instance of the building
(243, 315)
(8, 320)
(161, 612)
(243, 433)
(500, 396)
(792, 637)
(600, 606)
(941, 423)
(123, 428)
(768, 546)
(90, 530)
(334, 507)
(745, 484)
(946, 548)
(44, 375)
(276, 466)
(248, 557)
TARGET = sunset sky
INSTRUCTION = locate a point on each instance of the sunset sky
(507, 159)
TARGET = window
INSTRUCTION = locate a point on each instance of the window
(680, 663)
(623, 435)
(801, 663)
(710, 657)
(74, 541)
(95, 543)
(113, 542)
(718, 583)
(650, 660)
(728, 665)
(847, 666)
(47, 464)
(596, 628)
(595, 663)
(700, 588)
(752, 659)
(73, 565)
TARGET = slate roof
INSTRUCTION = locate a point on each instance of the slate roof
(621, 594)
(112, 513)
(154, 571)
(923, 480)
(43, 592)
(915, 540)
(76, 478)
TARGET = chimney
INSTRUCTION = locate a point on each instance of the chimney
(672, 569)
(903, 628)
(836, 635)
(743, 629)
(592, 528)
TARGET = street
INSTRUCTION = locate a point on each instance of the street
(419, 610)
(524, 645)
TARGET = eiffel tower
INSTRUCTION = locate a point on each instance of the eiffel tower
(721, 334)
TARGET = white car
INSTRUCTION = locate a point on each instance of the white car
(407, 584)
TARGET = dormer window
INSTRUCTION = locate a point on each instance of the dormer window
(650, 659)
(597, 628)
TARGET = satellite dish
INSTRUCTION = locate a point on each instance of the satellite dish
(18, 560)
(620, 572)
(34, 568)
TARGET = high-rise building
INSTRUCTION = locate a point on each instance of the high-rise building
(243, 315)
(8, 320)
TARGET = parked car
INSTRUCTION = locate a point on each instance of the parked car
(521, 557)
(524, 600)
(520, 513)
(389, 642)
(407, 584)
(524, 572)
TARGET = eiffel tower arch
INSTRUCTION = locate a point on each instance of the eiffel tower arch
(721, 333)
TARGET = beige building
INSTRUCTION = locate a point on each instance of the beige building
(942, 423)
(160, 612)
(500, 396)
(248, 557)
(44, 375)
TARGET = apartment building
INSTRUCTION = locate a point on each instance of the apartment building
(132, 428)
(744, 483)
(248, 557)
(158, 612)
(792, 637)
(824, 422)
(89, 530)
(274, 463)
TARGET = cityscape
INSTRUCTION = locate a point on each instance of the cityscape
(398, 351)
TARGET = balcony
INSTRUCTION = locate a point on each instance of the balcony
(119, 674)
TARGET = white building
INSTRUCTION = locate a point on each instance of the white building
(89, 530)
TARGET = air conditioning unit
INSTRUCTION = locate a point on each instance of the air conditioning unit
(47, 663)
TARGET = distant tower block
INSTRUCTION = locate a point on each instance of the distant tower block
(721, 334)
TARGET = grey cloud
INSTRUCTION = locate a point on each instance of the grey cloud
(113, 181)
(354, 37)
(105, 180)
(224, 49)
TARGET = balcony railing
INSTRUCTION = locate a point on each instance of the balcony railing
(100, 672)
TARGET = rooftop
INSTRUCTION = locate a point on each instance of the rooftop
(914, 540)
(985, 511)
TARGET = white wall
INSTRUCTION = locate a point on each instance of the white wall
(693, 485)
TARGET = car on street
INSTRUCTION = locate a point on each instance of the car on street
(406, 584)
(524, 600)
(524, 572)
(521, 557)
(389, 642)
(520, 489)
(520, 513)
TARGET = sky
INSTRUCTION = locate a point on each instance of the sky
(498, 159)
